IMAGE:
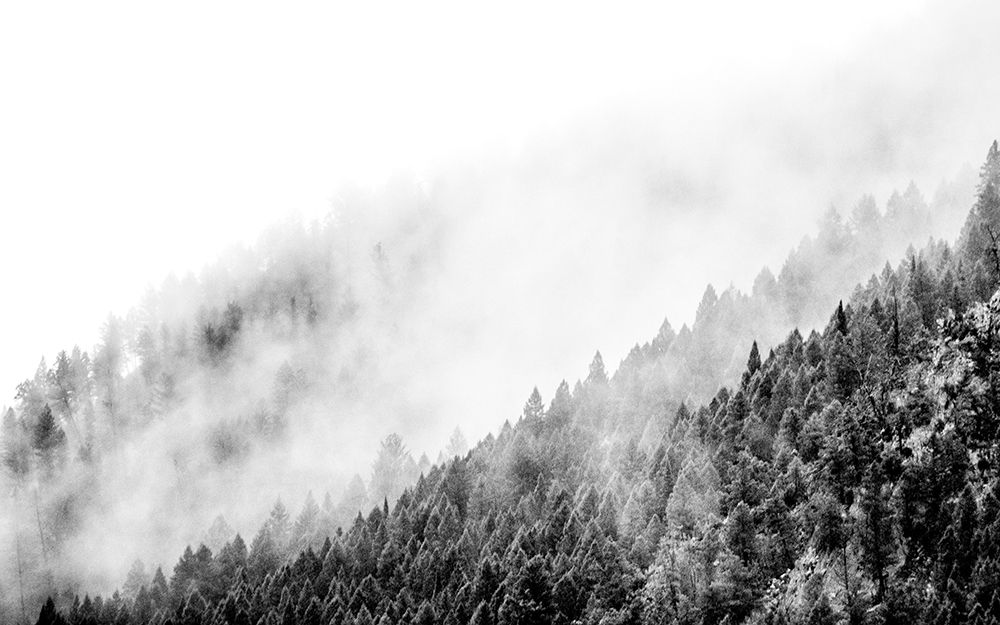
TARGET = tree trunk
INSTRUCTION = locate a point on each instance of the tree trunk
(41, 535)
(848, 599)
(20, 566)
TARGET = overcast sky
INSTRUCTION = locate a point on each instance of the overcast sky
(138, 139)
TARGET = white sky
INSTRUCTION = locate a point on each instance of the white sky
(141, 138)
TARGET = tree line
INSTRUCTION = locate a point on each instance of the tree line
(850, 475)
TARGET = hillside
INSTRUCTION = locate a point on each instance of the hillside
(807, 491)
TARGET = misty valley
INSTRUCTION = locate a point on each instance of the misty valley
(237, 449)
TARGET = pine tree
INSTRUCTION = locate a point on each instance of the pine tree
(33, 393)
(457, 445)
(740, 533)
(597, 377)
(876, 536)
(158, 589)
(706, 308)
(840, 319)
(232, 558)
(306, 523)
(219, 534)
(389, 469)
(263, 557)
(561, 408)
(108, 364)
(425, 615)
(278, 527)
(135, 580)
(49, 441)
(15, 446)
(62, 395)
(355, 496)
(832, 536)
(693, 504)
(753, 362)
(989, 173)
(49, 615)
(528, 599)
(481, 615)
(534, 409)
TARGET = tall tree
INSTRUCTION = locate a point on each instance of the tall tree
(597, 376)
(753, 362)
(528, 596)
(534, 409)
(457, 445)
(108, 364)
(389, 469)
(49, 441)
(16, 447)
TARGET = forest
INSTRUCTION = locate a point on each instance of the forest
(735, 471)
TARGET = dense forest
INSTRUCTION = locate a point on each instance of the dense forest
(846, 474)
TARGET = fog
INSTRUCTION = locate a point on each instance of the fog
(161, 137)
(534, 204)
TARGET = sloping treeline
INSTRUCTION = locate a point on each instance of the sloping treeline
(299, 282)
(300, 292)
(850, 476)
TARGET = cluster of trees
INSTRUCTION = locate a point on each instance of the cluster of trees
(852, 475)
(277, 314)
(300, 282)
(818, 273)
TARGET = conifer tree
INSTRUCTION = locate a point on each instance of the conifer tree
(561, 407)
(263, 557)
(306, 523)
(457, 445)
(49, 615)
(528, 596)
(278, 526)
(390, 469)
(989, 173)
(597, 376)
(753, 362)
(158, 589)
(15, 446)
(534, 409)
(49, 441)
(135, 580)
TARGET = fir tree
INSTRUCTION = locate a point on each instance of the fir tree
(534, 409)
(49, 441)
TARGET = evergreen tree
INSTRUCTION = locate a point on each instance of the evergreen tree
(753, 362)
(457, 445)
(15, 446)
(278, 526)
(528, 596)
(534, 409)
(135, 580)
(108, 364)
(389, 469)
(848, 478)
(158, 589)
(306, 523)
(597, 376)
(561, 408)
(49, 615)
(49, 441)
(264, 557)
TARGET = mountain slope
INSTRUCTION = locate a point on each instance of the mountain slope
(850, 474)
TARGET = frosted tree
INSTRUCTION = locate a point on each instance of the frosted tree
(457, 445)
(390, 469)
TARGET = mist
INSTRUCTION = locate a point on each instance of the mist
(478, 270)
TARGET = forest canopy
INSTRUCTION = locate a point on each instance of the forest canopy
(737, 470)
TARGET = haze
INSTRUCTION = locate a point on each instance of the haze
(137, 141)
(590, 172)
